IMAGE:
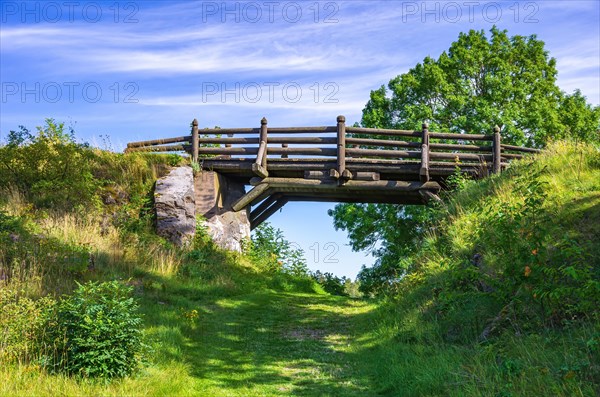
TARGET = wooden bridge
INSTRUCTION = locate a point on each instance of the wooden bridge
(337, 163)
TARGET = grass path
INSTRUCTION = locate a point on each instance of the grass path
(265, 343)
(273, 344)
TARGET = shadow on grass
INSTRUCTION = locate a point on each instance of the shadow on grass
(264, 343)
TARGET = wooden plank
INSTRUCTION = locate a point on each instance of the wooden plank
(446, 146)
(469, 148)
(381, 161)
(167, 148)
(262, 149)
(424, 171)
(164, 141)
(249, 197)
(429, 196)
(213, 140)
(260, 170)
(341, 145)
(497, 154)
(358, 153)
(272, 130)
(195, 141)
(381, 131)
(460, 156)
(278, 183)
(302, 130)
(266, 203)
(304, 151)
(520, 149)
(380, 142)
(228, 150)
(414, 199)
(318, 174)
(460, 137)
(366, 176)
(513, 156)
(268, 212)
(308, 151)
(302, 140)
(232, 131)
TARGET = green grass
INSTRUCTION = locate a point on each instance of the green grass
(219, 324)
(267, 343)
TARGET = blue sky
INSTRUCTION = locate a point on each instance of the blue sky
(136, 70)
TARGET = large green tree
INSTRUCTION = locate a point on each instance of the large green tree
(479, 82)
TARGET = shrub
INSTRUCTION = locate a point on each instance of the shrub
(22, 323)
(50, 168)
(269, 247)
(331, 284)
(101, 331)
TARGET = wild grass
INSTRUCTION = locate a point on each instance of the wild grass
(221, 324)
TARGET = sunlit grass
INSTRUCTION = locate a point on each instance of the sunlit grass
(218, 324)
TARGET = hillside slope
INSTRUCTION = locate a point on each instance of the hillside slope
(503, 296)
(501, 299)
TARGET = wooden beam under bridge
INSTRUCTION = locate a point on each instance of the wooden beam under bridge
(273, 193)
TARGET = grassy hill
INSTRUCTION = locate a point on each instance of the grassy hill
(502, 298)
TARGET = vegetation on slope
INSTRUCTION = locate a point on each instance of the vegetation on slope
(502, 295)
(500, 298)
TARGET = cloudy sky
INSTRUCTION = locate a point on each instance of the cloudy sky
(136, 70)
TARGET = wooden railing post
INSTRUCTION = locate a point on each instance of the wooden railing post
(283, 146)
(497, 151)
(341, 148)
(260, 164)
(263, 138)
(424, 171)
(195, 141)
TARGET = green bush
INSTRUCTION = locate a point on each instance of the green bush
(22, 323)
(331, 283)
(270, 248)
(50, 168)
(101, 330)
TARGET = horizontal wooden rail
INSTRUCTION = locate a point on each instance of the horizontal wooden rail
(460, 156)
(382, 153)
(460, 137)
(167, 148)
(385, 132)
(159, 141)
(339, 154)
(381, 142)
(469, 148)
(520, 149)
(302, 140)
(302, 151)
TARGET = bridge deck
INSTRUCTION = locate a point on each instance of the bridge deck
(338, 163)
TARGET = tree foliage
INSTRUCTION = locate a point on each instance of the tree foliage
(478, 83)
(481, 82)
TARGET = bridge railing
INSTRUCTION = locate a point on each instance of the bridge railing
(340, 151)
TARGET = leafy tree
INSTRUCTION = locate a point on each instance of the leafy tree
(580, 119)
(478, 83)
